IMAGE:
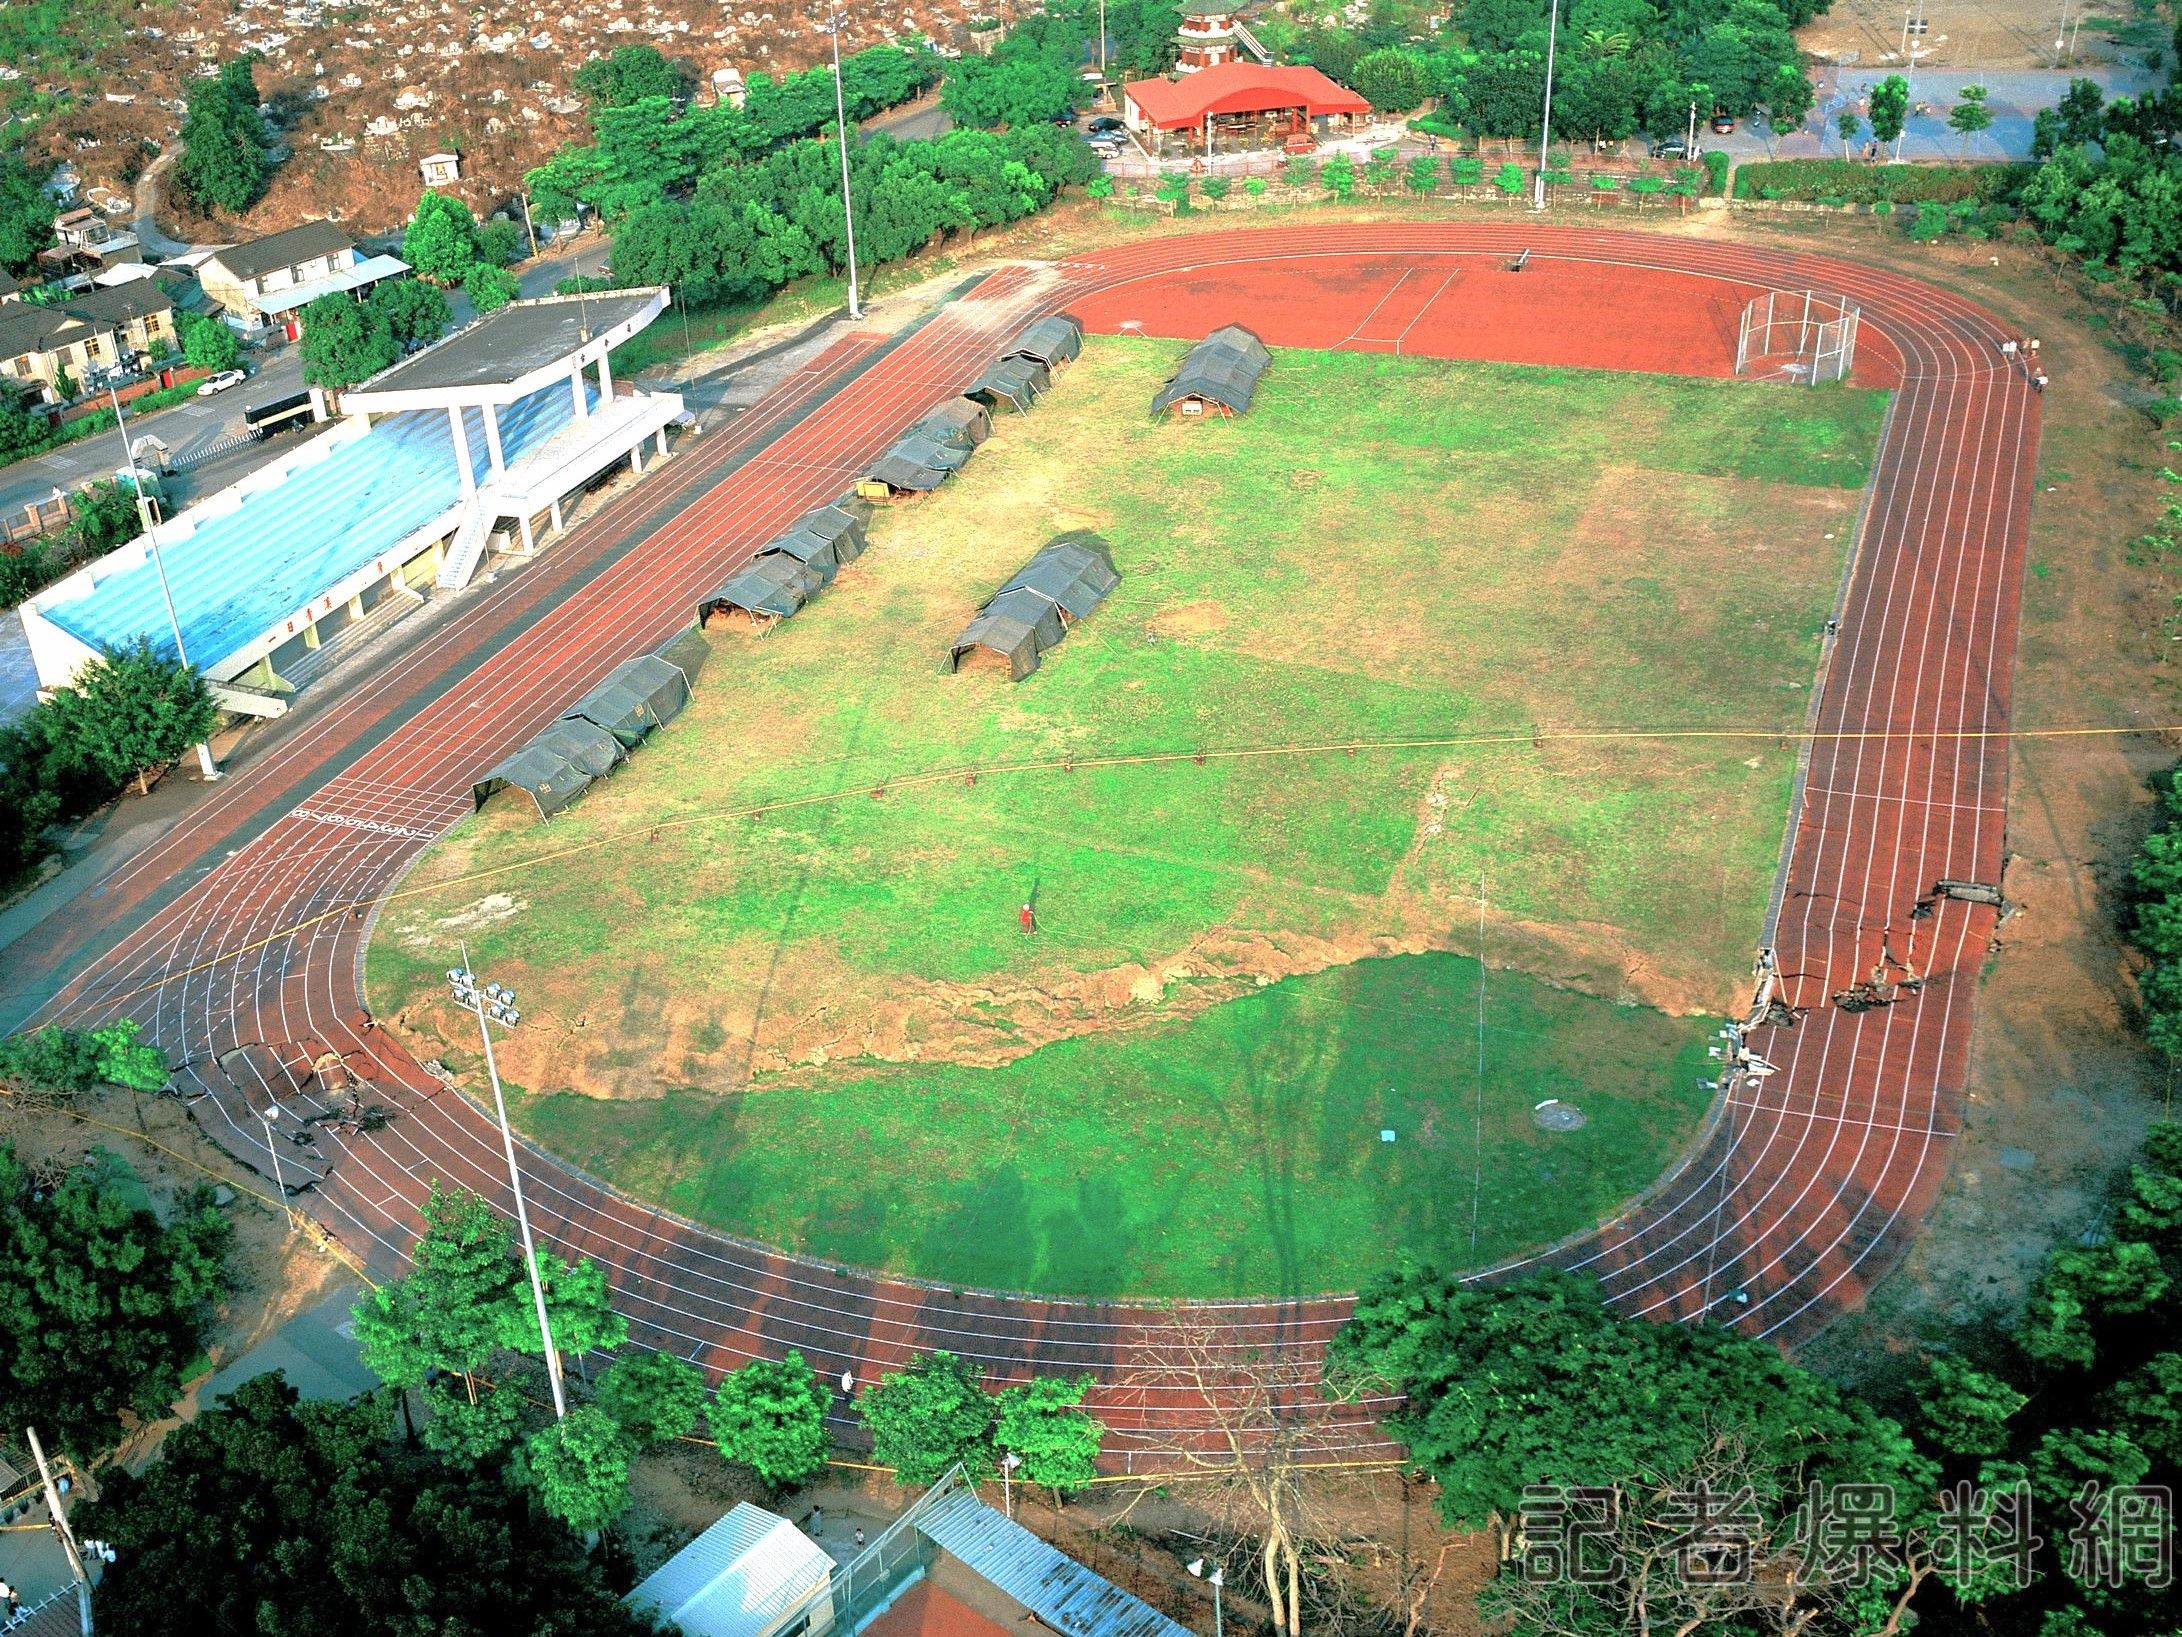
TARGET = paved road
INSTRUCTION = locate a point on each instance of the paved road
(919, 123)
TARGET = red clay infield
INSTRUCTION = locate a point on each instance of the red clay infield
(1806, 1183)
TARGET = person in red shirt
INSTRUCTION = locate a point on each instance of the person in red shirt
(1029, 918)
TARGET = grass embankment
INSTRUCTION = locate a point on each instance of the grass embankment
(1384, 549)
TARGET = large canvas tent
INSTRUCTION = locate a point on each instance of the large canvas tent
(582, 744)
(1067, 579)
(941, 454)
(956, 418)
(638, 695)
(549, 781)
(1220, 373)
(687, 652)
(770, 588)
(1016, 382)
(1052, 341)
(894, 474)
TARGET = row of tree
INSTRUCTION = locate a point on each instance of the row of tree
(649, 143)
(749, 228)
(346, 340)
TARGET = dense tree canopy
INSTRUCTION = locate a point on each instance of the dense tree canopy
(101, 1305)
(1044, 1423)
(653, 1397)
(266, 1515)
(440, 242)
(26, 215)
(1538, 1381)
(345, 341)
(209, 344)
(631, 74)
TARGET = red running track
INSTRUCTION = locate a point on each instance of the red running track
(1803, 1188)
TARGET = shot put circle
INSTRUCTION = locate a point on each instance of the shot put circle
(1555, 1115)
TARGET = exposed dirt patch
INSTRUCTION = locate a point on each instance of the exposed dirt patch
(1189, 620)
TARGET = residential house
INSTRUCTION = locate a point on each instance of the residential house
(85, 241)
(58, 352)
(269, 280)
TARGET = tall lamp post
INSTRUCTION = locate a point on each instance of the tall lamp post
(493, 1004)
(1009, 1461)
(1545, 120)
(832, 26)
(147, 515)
(1219, 1579)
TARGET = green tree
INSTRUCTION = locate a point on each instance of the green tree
(131, 710)
(653, 1397)
(1965, 1410)
(1509, 179)
(2146, 1405)
(224, 165)
(1043, 1421)
(100, 1304)
(1008, 90)
(441, 241)
(579, 1306)
(1537, 1379)
(631, 74)
(490, 288)
(927, 1418)
(345, 341)
(1299, 171)
(464, 1283)
(468, 1428)
(1392, 81)
(267, 1515)
(124, 1058)
(501, 242)
(1970, 116)
(1422, 175)
(580, 1467)
(209, 344)
(104, 514)
(416, 313)
(1889, 108)
(1846, 124)
(1338, 176)
(2082, 113)
(770, 1416)
(26, 215)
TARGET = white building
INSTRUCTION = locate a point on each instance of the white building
(750, 1575)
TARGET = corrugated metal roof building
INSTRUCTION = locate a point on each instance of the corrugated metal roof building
(750, 1575)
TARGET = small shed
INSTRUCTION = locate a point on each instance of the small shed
(1219, 375)
(771, 588)
(1016, 382)
(1067, 579)
(638, 695)
(751, 1574)
(549, 779)
(957, 418)
(1052, 341)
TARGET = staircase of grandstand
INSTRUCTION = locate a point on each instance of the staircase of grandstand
(469, 547)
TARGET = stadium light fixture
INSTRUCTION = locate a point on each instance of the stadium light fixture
(1219, 1579)
(832, 27)
(493, 1004)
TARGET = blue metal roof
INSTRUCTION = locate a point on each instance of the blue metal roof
(1064, 1594)
(241, 573)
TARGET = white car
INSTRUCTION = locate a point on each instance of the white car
(221, 382)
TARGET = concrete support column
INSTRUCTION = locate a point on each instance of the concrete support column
(311, 638)
(662, 443)
(636, 457)
(555, 511)
(458, 425)
(356, 606)
(522, 528)
(576, 396)
(493, 452)
(606, 380)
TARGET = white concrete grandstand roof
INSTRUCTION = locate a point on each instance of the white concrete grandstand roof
(366, 272)
(511, 353)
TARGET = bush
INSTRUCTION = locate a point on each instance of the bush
(1857, 183)
(1716, 169)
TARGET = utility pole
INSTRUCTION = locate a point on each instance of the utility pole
(497, 1005)
(833, 27)
(148, 518)
(527, 228)
(1545, 121)
(66, 1535)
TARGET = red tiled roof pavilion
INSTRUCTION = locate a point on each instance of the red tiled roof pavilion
(1239, 88)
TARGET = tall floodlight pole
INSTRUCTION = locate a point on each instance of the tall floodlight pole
(147, 516)
(493, 1004)
(61, 1528)
(833, 27)
(1545, 119)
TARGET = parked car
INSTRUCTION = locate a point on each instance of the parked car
(1106, 122)
(221, 382)
(1673, 147)
(1722, 121)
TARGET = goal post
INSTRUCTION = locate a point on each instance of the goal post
(1807, 336)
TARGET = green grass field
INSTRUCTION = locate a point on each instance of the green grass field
(820, 1025)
